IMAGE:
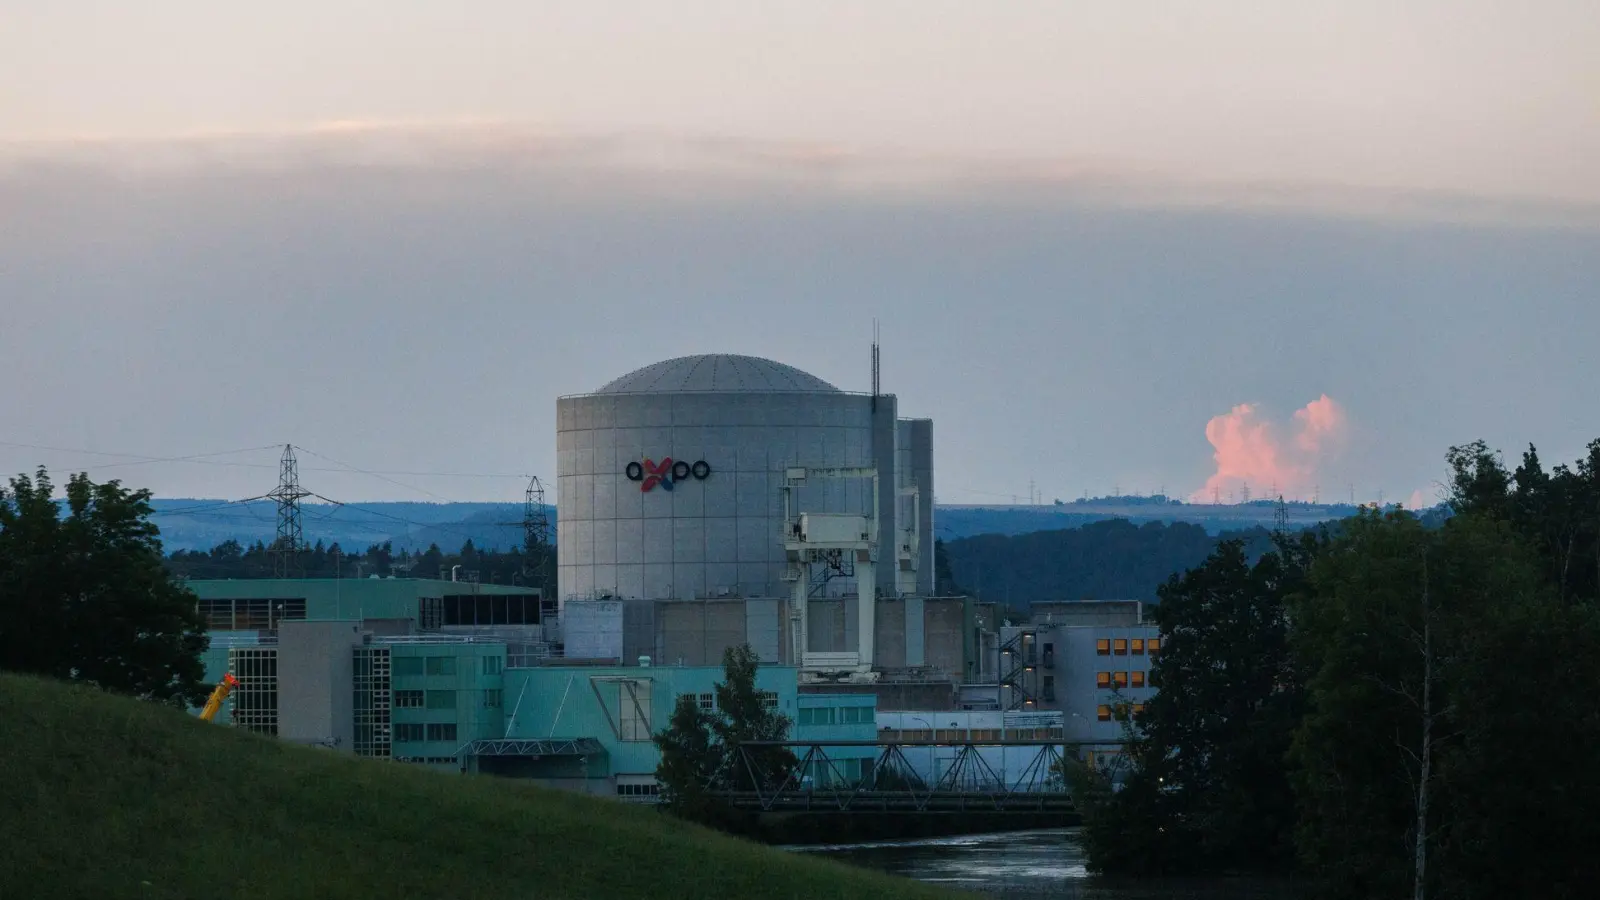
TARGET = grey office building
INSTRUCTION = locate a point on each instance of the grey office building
(670, 479)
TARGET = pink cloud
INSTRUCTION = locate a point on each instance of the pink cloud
(1250, 452)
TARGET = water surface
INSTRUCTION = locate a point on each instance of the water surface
(1038, 865)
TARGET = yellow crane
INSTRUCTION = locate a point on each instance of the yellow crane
(214, 703)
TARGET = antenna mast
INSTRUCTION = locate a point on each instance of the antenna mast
(291, 535)
(877, 385)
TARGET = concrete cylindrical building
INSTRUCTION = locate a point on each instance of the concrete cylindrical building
(709, 523)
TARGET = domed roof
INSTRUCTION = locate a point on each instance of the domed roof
(717, 373)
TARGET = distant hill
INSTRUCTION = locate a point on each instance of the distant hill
(111, 797)
(1109, 560)
(200, 524)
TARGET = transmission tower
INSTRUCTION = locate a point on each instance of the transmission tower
(291, 535)
(536, 536)
(1280, 517)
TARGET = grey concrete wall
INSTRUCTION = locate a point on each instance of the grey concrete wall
(1076, 665)
(916, 639)
(922, 476)
(316, 689)
(638, 630)
(696, 632)
(944, 619)
(889, 640)
(706, 537)
(885, 443)
(828, 627)
(763, 628)
(1088, 612)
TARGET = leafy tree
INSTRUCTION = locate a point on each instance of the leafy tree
(1209, 789)
(689, 763)
(700, 752)
(746, 716)
(85, 597)
(1431, 653)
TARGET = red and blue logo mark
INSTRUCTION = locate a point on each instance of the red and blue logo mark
(665, 473)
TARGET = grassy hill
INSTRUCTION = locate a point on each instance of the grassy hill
(108, 797)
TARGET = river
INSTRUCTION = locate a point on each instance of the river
(1032, 865)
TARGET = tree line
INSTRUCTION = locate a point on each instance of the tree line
(1390, 707)
(230, 559)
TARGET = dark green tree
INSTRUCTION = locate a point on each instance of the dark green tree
(1435, 654)
(701, 752)
(1209, 788)
(689, 763)
(748, 715)
(86, 596)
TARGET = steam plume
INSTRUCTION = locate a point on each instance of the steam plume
(1251, 453)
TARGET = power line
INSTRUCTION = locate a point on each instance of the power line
(408, 487)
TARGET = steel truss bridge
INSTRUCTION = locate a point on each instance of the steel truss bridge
(967, 783)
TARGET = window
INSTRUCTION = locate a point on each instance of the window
(633, 710)
(1102, 679)
(857, 715)
(406, 665)
(1138, 646)
(1119, 647)
(408, 731)
(492, 664)
(441, 699)
(1102, 647)
(441, 731)
(1138, 679)
(493, 698)
(1103, 713)
(1120, 679)
(1154, 645)
(708, 702)
(769, 699)
(1138, 708)
(408, 699)
(441, 665)
(1049, 690)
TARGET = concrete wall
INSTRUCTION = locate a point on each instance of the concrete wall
(703, 537)
(315, 687)
(944, 640)
(592, 629)
(1077, 663)
(1088, 612)
(696, 632)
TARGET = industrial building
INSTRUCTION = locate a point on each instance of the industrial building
(705, 502)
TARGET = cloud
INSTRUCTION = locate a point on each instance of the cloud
(1253, 456)
(712, 162)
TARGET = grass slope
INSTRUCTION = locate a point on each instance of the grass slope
(102, 796)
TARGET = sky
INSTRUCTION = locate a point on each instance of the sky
(1194, 248)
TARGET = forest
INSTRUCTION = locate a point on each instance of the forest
(1388, 706)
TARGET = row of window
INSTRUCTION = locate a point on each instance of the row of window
(835, 715)
(428, 760)
(969, 735)
(638, 790)
(440, 665)
(1135, 678)
(430, 731)
(1120, 711)
(493, 698)
(1124, 646)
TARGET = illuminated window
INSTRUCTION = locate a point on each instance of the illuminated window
(1103, 713)
(1102, 647)
(1120, 679)
(1138, 708)
(1154, 645)
(1138, 679)
(1102, 679)
(1120, 646)
(1138, 647)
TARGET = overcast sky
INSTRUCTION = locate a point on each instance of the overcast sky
(394, 233)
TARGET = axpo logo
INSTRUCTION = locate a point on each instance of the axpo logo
(666, 472)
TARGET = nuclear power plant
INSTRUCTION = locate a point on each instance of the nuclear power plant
(733, 478)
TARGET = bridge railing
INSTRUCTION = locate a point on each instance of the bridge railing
(965, 780)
